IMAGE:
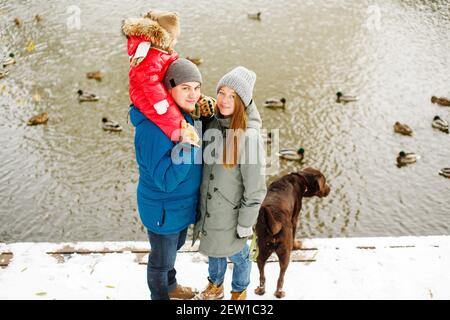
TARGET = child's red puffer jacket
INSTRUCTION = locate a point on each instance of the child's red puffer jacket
(147, 91)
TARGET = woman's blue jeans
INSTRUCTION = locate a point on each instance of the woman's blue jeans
(241, 269)
(161, 263)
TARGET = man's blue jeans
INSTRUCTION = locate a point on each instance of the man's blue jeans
(161, 263)
(241, 269)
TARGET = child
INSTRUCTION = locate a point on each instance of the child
(151, 40)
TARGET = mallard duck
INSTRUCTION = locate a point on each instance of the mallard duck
(292, 154)
(445, 172)
(39, 119)
(406, 158)
(441, 101)
(86, 97)
(341, 98)
(97, 75)
(9, 60)
(3, 73)
(403, 129)
(254, 15)
(110, 125)
(440, 124)
(275, 103)
(195, 60)
(18, 22)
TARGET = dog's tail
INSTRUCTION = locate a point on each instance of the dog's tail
(272, 225)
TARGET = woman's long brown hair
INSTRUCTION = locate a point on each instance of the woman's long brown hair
(238, 125)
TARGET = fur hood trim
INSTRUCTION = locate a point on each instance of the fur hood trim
(148, 28)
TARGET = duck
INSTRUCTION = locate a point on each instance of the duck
(275, 103)
(86, 97)
(38, 119)
(111, 125)
(440, 124)
(97, 75)
(18, 22)
(404, 158)
(3, 74)
(255, 15)
(403, 129)
(341, 98)
(9, 60)
(292, 154)
(445, 172)
(441, 101)
(38, 18)
(195, 60)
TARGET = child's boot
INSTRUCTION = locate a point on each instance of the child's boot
(212, 292)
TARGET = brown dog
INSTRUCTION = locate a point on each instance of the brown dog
(278, 216)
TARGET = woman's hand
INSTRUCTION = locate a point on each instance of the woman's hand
(189, 134)
(244, 232)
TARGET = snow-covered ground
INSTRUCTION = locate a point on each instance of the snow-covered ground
(342, 268)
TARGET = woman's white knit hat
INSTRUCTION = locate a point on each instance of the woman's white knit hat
(241, 80)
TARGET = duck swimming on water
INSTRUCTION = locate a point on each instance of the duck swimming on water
(38, 119)
(86, 97)
(254, 16)
(341, 98)
(292, 154)
(275, 103)
(441, 101)
(404, 158)
(440, 124)
(403, 129)
(111, 125)
(445, 172)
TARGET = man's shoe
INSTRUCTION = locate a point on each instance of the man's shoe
(212, 292)
(182, 293)
(239, 295)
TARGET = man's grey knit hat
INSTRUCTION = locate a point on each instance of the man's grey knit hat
(241, 80)
(181, 71)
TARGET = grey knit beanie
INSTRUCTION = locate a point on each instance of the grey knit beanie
(181, 71)
(241, 80)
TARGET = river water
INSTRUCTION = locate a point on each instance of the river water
(69, 180)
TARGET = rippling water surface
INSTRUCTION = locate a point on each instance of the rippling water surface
(69, 180)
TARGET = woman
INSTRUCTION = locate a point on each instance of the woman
(167, 193)
(233, 188)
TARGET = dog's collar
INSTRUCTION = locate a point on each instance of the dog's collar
(305, 180)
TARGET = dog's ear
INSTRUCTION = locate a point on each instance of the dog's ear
(311, 176)
(313, 183)
(273, 226)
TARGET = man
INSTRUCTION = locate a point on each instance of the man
(167, 192)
